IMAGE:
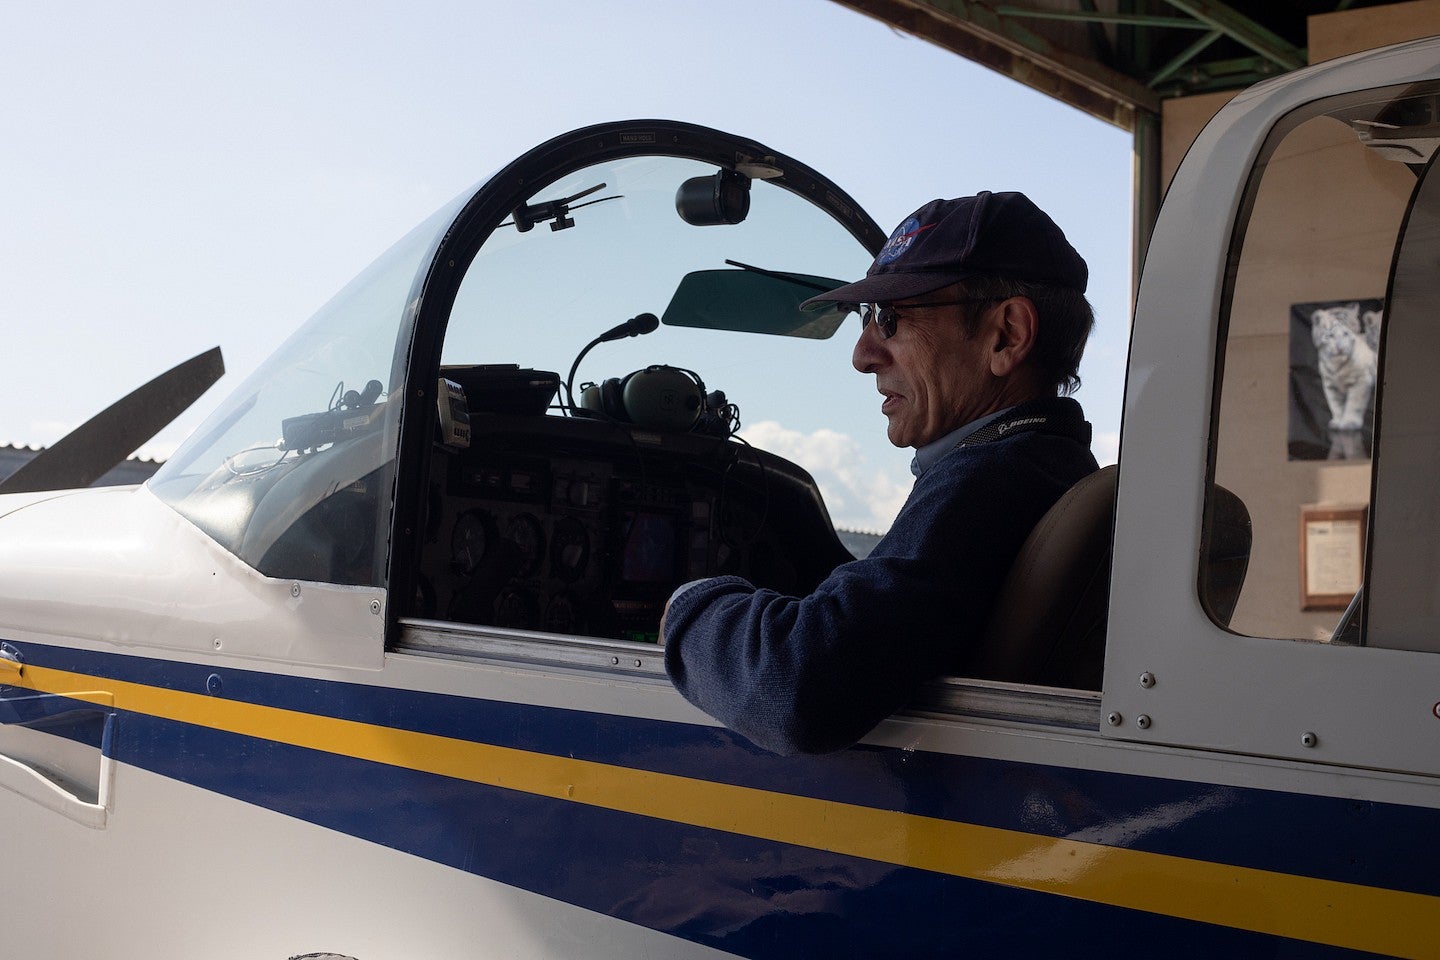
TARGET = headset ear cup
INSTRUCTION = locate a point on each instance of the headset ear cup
(612, 399)
(662, 397)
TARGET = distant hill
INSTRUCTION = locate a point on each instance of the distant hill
(858, 542)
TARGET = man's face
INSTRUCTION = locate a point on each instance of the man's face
(934, 379)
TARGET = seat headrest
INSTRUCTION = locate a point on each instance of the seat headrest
(1048, 623)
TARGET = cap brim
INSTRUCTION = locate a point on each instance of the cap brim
(884, 288)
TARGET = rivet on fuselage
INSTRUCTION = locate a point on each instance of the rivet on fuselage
(1143, 721)
(1308, 739)
(1147, 680)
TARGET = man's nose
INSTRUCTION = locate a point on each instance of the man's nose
(869, 352)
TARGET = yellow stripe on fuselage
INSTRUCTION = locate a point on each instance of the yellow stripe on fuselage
(1304, 908)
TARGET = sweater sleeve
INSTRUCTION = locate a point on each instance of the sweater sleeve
(814, 674)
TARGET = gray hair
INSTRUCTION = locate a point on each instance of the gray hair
(1066, 319)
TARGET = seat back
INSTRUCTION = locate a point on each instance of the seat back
(1048, 623)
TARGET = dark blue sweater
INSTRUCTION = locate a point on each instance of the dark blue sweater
(815, 674)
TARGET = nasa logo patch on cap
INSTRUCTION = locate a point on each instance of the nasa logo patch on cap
(949, 241)
(901, 240)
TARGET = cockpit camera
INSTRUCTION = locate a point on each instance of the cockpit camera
(723, 198)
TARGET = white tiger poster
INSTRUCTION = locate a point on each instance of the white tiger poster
(1333, 349)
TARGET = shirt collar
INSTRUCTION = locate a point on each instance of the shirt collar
(926, 456)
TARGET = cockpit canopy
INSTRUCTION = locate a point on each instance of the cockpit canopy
(719, 238)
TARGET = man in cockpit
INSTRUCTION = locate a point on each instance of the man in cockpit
(973, 320)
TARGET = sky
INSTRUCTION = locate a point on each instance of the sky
(180, 175)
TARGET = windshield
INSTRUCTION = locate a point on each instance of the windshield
(698, 418)
(535, 298)
(292, 472)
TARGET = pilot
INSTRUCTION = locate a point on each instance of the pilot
(973, 319)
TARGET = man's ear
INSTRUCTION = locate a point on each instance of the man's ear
(1015, 323)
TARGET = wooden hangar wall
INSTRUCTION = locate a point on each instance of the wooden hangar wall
(1317, 250)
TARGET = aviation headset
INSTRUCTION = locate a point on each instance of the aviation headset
(659, 397)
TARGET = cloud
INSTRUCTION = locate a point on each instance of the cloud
(1106, 447)
(860, 496)
(158, 450)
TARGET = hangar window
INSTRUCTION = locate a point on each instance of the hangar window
(1319, 426)
(713, 428)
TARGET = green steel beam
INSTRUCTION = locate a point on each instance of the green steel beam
(1133, 45)
(1244, 31)
(975, 31)
(1186, 55)
(1241, 72)
(1130, 19)
(1215, 75)
(1104, 50)
(1145, 202)
(998, 37)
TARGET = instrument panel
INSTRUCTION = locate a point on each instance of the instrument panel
(592, 535)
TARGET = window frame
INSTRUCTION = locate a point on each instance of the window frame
(490, 206)
(1173, 676)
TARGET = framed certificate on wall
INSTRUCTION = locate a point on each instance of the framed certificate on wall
(1332, 555)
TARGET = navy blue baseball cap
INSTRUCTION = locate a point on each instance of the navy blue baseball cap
(947, 241)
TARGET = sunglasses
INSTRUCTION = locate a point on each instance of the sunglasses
(887, 315)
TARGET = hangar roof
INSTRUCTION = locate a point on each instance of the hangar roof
(1116, 58)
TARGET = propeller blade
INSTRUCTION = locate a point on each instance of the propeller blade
(86, 453)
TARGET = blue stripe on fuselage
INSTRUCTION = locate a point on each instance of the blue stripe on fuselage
(1383, 845)
(747, 896)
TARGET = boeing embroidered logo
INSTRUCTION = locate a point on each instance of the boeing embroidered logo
(1004, 427)
(900, 241)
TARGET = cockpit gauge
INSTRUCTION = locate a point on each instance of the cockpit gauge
(525, 532)
(471, 538)
(560, 614)
(569, 549)
(517, 608)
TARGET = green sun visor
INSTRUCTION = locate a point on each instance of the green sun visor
(752, 300)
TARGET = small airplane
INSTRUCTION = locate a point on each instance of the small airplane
(368, 668)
